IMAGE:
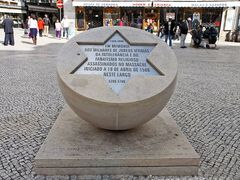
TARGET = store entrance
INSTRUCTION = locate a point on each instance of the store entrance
(151, 16)
(132, 17)
(80, 18)
(94, 17)
(111, 16)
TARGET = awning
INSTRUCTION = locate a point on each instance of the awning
(197, 4)
(11, 10)
(42, 9)
(112, 3)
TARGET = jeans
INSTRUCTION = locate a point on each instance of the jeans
(182, 40)
(40, 32)
(168, 37)
(9, 39)
(65, 31)
(58, 34)
(46, 29)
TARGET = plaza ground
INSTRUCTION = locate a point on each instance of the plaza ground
(205, 105)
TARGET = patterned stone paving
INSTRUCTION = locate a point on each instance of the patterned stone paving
(206, 106)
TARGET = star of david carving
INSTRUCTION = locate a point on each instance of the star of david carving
(117, 61)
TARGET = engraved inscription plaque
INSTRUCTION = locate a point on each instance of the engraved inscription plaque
(117, 61)
(117, 78)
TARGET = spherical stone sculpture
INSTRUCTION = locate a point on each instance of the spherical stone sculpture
(116, 78)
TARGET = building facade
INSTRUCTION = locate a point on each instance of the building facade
(19, 10)
(42, 7)
(14, 8)
(224, 15)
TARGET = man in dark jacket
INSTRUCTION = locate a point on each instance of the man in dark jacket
(169, 27)
(183, 33)
(8, 29)
(46, 21)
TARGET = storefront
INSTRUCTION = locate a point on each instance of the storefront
(96, 14)
(222, 15)
(90, 14)
(13, 9)
(111, 16)
(151, 16)
(16, 14)
(41, 10)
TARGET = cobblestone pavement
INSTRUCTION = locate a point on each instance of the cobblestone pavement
(206, 106)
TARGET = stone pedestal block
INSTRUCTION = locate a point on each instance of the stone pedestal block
(74, 147)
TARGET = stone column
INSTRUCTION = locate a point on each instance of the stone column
(235, 21)
(69, 11)
(233, 24)
(222, 34)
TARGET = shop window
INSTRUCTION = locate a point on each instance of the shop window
(111, 16)
(151, 17)
(94, 17)
(166, 12)
(132, 17)
(17, 19)
(211, 16)
(80, 18)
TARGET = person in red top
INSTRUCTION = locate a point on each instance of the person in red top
(40, 26)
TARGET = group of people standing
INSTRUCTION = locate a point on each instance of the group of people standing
(34, 27)
(170, 28)
(41, 26)
(200, 38)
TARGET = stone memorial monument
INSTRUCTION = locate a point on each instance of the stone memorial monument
(115, 80)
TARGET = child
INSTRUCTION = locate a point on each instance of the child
(58, 28)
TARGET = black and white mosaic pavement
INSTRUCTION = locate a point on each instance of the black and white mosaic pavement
(206, 106)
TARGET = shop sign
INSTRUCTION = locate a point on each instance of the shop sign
(196, 4)
(209, 4)
(11, 1)
(112, 4)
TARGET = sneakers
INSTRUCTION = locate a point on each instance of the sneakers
(183, 47)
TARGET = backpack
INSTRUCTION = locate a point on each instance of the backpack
(184, 26)
(46, 21)
(213, 32)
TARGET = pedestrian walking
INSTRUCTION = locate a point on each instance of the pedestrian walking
(65, 25)
(8, 30)
(33, 25)
(46, 21)
(58, 28)
(40, 26)
(169, 30)
(183, 33)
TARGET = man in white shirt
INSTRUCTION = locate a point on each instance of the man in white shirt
(65, 25)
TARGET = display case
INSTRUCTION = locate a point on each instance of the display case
(111, 16)
(80, 19)
(151, 16)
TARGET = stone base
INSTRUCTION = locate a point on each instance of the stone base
(74, 147)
